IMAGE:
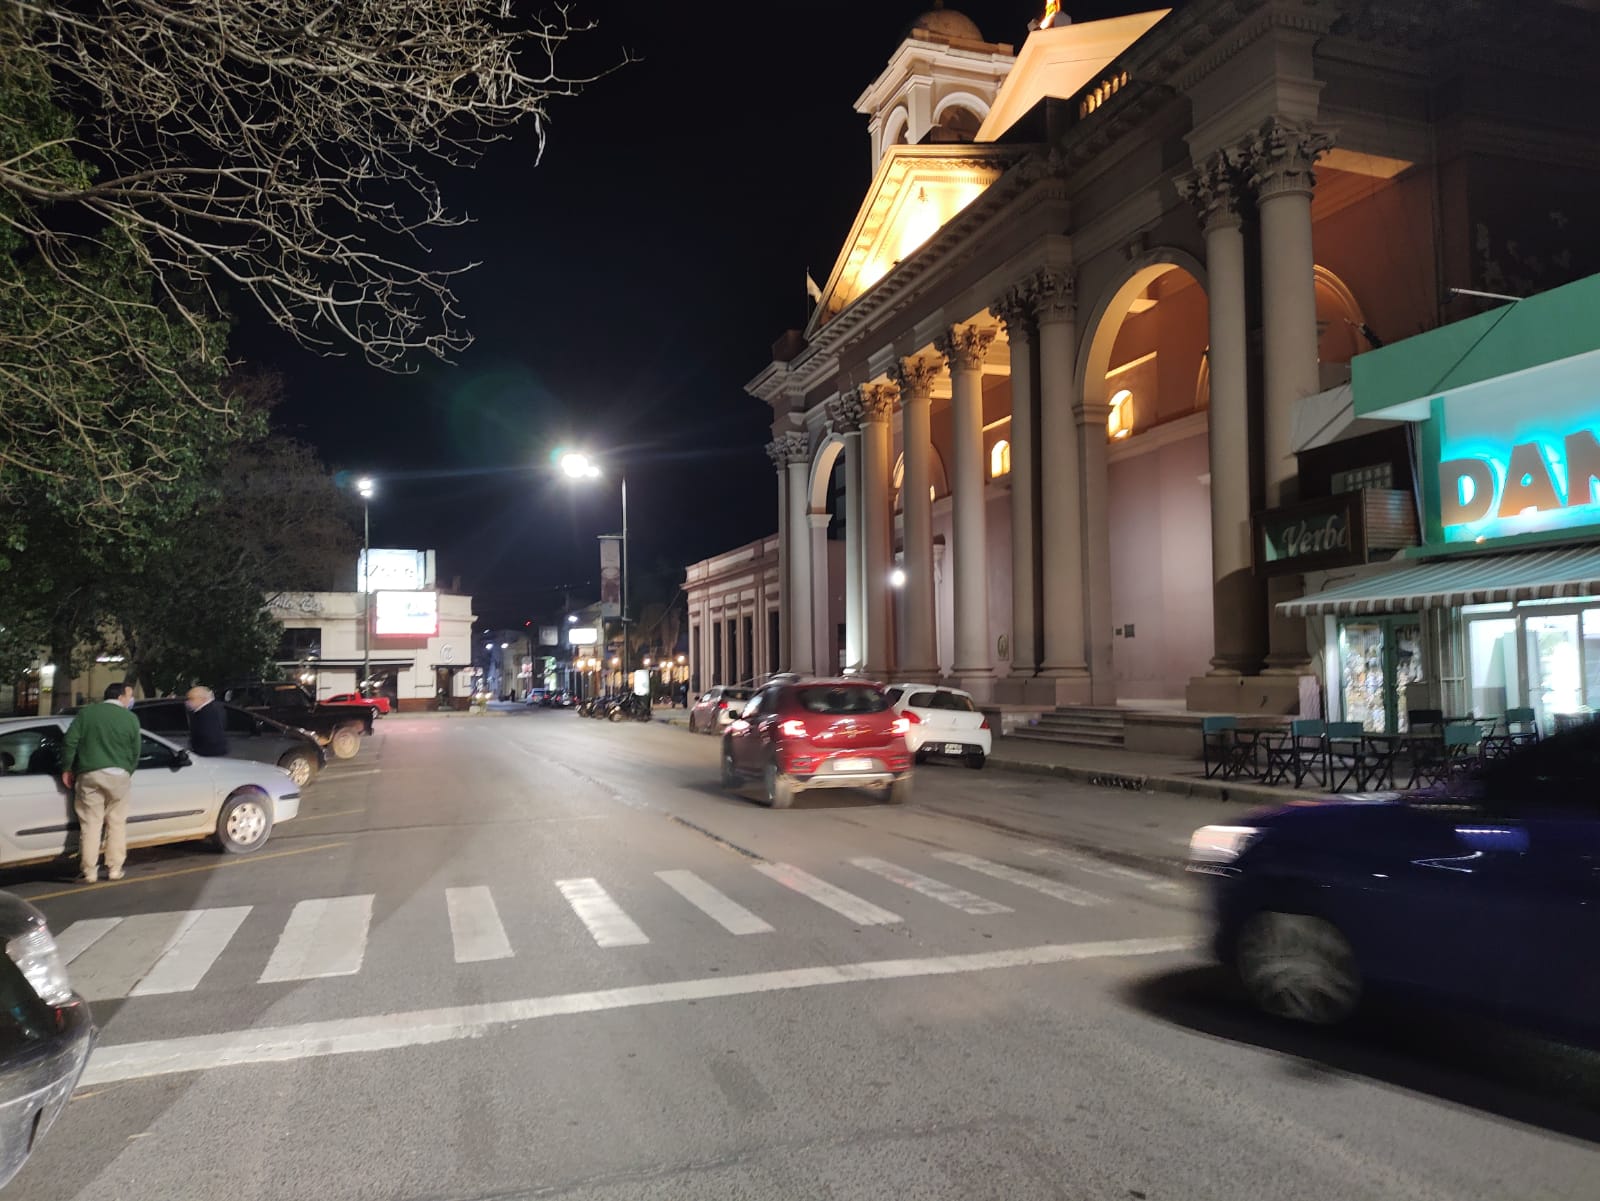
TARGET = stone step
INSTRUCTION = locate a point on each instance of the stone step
(1080, 737)
(1085, 720)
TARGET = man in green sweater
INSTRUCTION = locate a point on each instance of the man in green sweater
(98, 759)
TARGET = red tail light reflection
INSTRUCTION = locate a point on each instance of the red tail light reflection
(902, 725)
(794, 728)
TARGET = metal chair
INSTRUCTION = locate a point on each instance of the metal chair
(1220, 749)
(1350, 758)
(1457, 751)
(1521, 728)
(1300, 755)
(1419, 718)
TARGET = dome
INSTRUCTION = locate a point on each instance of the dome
(946, 22)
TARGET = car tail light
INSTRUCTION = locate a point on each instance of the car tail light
(722, 704)
(794, 728)
(984, 724)
(910, 718)
(902, 725)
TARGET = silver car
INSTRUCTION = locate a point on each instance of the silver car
(250, 736)
(174, 798)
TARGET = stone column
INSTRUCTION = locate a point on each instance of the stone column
(877, 404)
(1015, 311)
(915, 378)
(844, 419)
(796, 452)
(1282, 157)
(1061, 542)
(1091, 419)
(824, 635)
(965, 347)
(1237, 599)
(777, 451)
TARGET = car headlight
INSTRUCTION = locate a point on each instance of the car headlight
(39, 959)
(1221, 844)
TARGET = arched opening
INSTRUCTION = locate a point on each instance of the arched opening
(938, 486)
(1339, 323)
(1143, 362)
(1000, 459)
(896, 130)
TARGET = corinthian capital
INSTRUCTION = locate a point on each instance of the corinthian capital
(1216, 189)
(877, 402)
(845, 411)
(965, 346)
(791, 446)
(1015, 310)
(916, 376)
(1054, 295)
(1281, 156)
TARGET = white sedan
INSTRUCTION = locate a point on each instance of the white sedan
(175, 797)
(943, 722)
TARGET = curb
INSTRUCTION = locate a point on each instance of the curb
(1201, 789)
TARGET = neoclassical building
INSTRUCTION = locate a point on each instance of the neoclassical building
(1101, 294)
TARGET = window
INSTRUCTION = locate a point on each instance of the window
(1119, 423)
(1380, 475)
(843, 698)
(32, 752)
(1000, 459)
(239, 722)
(953, 702)
(894, 694)
(154, 754)
(921, 700)
(165, 718)
(300, 644)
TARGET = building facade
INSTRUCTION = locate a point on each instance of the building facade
(1061, 368)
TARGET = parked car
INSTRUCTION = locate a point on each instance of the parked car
(943, 722)
(250, 736)
(795, 735)
(46, 1033)
(175, 797)
(337, 727)
(378, 701)
(1483, 894)
(716, 707)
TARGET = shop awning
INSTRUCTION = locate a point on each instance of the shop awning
(1482, 580)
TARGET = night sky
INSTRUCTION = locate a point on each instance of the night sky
(631, 283)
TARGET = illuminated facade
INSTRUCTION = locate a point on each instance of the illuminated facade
(1097, 287)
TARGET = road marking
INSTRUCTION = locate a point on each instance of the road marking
(336, 774)
(732, 916)
(949, 894)
(324, 937)
(111, 968)
(863, 913)
(475, 926)
(1013, 875)
(346, 1036)
(608, 925)
(232, 861)
(1099, 867)
(80, 936)
(193, 952)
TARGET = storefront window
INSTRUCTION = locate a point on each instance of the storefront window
(1493, 665)
(1380, 660)
(1555, 666)
(1591, 658)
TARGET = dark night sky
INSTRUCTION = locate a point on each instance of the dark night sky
(630, 284)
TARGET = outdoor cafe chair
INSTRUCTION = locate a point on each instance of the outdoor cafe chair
(1300, 754)
(1222, 751)
(1457, 750)
(1521, 726)
(1352, 759)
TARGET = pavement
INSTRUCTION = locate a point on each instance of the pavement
(543, 957)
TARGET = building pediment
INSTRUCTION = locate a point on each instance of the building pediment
(916, 191)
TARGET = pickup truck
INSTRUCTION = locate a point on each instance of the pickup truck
(337, 727)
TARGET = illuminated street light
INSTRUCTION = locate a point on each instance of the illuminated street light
(366, 486)
(578, 466)
(897, 578)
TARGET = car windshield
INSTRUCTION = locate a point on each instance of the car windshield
(842, 698)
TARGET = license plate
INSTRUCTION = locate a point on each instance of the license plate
(953, 748)
(852, 765)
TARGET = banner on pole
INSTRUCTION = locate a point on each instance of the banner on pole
(610, 576)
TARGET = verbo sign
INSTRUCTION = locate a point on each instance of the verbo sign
(1536, 477)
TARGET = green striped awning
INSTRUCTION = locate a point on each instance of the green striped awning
(1468, 580)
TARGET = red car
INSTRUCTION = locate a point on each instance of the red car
(379, 702)
(800, 734)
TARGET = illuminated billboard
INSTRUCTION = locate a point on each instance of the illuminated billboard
(582, 636)
(383, 570)
(405, 614)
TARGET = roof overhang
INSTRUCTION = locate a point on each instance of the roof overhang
(1470, 580)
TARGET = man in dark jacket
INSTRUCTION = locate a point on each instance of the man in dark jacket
(208, 731)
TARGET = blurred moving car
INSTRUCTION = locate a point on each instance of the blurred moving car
(943, 722)
(338, 727)
(175, 797)
(378, 701)
(716, 707)
(795, 735)
(1483, 894)
(46, 1033)
(250, 736)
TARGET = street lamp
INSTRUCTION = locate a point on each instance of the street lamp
(576, 465)
(365, 487)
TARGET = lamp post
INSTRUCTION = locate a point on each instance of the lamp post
(578, 466)
(366, 487)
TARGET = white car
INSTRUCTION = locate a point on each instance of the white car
(174, 798)
(943, 722)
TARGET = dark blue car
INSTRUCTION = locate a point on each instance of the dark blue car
(1484, 894)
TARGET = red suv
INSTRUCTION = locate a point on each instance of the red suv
(799, 734)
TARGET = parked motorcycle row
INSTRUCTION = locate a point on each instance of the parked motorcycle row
(622, 706)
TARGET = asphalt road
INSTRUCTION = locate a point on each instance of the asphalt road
(534, 956)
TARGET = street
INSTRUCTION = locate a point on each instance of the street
(527, 955)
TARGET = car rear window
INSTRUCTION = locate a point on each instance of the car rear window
(842, 698)
(737, 694)
(953, 701)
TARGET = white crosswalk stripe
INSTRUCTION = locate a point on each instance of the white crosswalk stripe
(80, 936)
(724, 910)
(862, 912)
(1091, 866)
(608, 925)
(475, 927)
(323, 937)
(949, 894)
(113, 966)
(1013, 875)
(193, 952)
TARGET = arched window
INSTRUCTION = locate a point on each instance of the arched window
(1000, 459)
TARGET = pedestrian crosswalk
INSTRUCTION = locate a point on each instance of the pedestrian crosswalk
(154, 954)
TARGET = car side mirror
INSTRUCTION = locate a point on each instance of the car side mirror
(181, 759)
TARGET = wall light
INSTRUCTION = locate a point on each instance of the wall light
(1119, 422)
(897, 578)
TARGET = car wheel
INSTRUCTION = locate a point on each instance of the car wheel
(301, 766)
(346, 742)
(899, 792)
(244, 823)
(730, 773)
(1299, 967)
(779, 787)
(975, 760)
